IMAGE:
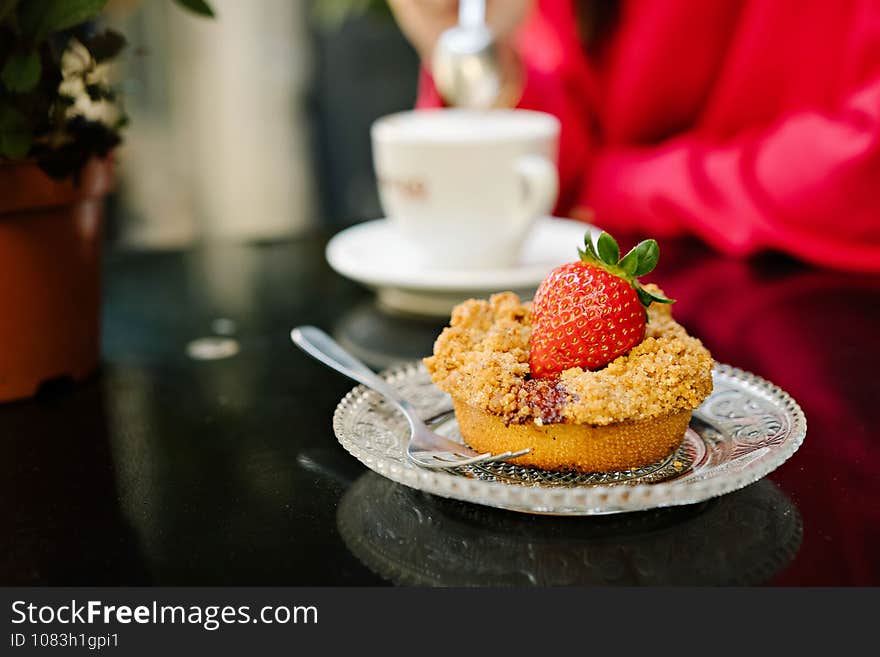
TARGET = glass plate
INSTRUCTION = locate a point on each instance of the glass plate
(745, 429)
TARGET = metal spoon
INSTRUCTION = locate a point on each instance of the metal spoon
(425, 448)
(465, 62)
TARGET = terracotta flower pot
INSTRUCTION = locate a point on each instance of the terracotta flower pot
(50, 285)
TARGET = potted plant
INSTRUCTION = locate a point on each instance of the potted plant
(60, 119)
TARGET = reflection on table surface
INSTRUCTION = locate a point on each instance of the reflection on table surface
(166, 469)
(414, 538)
(383, 339)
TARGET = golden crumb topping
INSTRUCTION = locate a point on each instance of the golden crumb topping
(482, 358)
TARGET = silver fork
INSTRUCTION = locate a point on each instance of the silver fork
(426, 448)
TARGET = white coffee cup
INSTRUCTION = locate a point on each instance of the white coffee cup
(464, 186)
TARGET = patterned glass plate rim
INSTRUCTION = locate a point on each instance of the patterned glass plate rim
(744, 430)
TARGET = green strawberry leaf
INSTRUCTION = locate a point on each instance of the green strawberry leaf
(647, 297)
(590, 252)
(630, 262)
(21, 72)
(609, 252)
(659, 298)
(644, 296)
(648, 253)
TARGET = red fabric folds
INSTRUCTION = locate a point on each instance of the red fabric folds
(753, 124)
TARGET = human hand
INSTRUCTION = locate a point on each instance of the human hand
(422, 21)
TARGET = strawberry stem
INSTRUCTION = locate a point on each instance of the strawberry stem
(640, 260)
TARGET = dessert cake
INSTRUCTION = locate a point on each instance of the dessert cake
(531, 374)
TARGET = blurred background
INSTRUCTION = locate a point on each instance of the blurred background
(255, 125)
(179, 465)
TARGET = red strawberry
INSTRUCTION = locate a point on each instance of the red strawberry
(587, 313)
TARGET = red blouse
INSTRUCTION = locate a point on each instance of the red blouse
(754, 124)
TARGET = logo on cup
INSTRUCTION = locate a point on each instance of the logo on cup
(414, 189)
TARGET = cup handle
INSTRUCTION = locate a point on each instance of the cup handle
(540, 185)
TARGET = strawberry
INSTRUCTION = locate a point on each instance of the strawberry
(589, 312)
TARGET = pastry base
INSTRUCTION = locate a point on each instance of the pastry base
(578, 447)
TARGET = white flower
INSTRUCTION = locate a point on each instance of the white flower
(79, 70)
(76, 60)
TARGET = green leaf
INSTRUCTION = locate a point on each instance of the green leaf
(630, 262)
(590, 251)
(648, 253)
(64, 14)
(39, 18)
(647, 297)
(659, 298)
(644, 296)
(609, 252)
(15, 135)
(31, 14)
(21, 72)
(199, 7)
(6, 6)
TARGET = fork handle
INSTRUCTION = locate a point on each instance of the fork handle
(322, 347)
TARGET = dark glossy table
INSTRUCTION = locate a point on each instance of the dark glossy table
(165, 469)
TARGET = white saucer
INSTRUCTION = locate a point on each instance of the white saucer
(373, 253)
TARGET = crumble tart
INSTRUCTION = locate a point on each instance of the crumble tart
(632, 412)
